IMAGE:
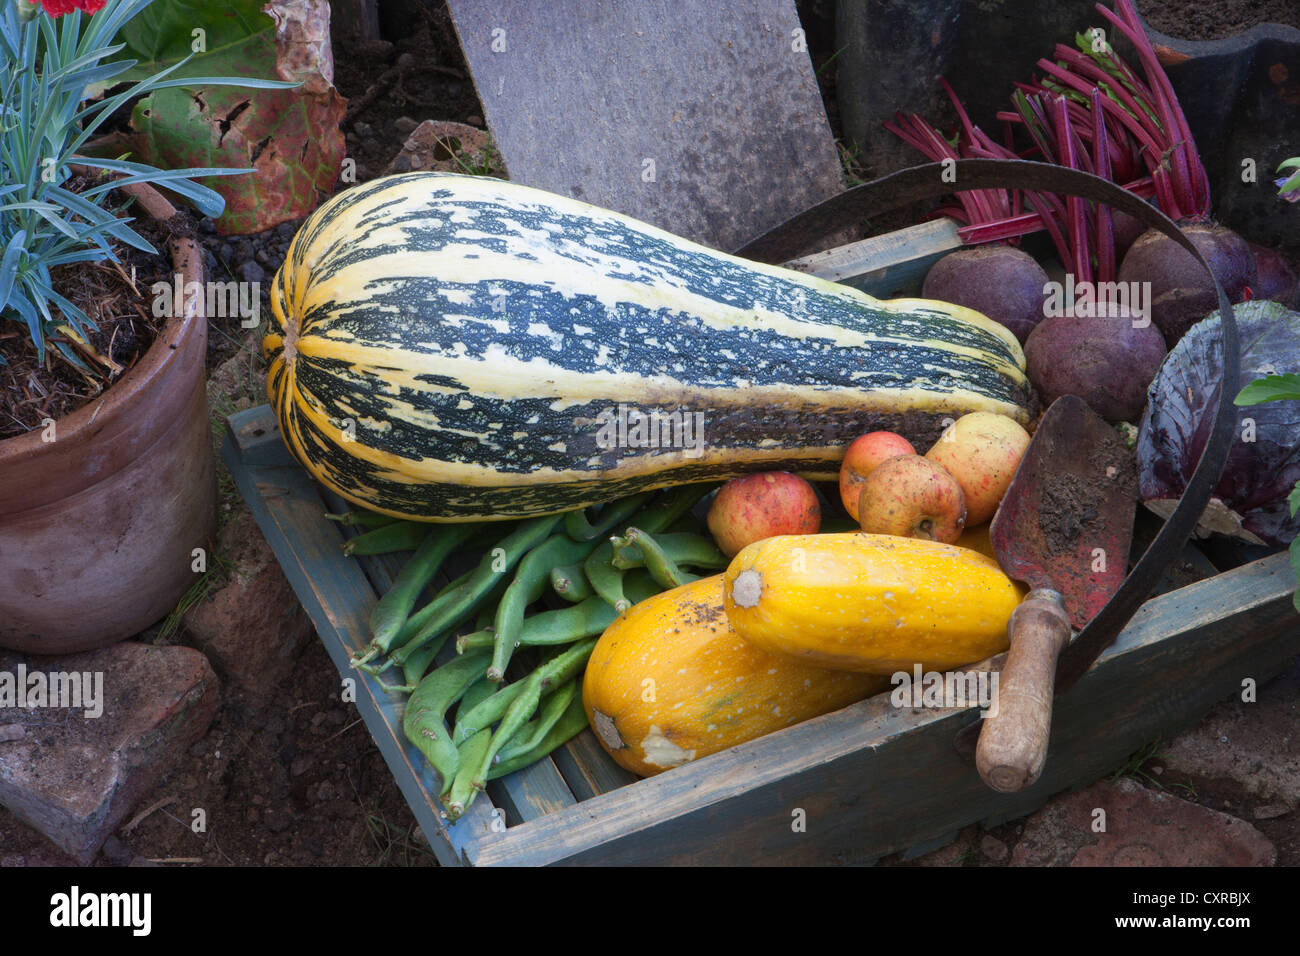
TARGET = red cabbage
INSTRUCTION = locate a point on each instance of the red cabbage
(1259, 474)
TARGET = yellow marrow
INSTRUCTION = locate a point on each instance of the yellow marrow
(670, 682)
(870, 602)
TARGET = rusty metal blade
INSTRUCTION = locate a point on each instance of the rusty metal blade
(1066, 522)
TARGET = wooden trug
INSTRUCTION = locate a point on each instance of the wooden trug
(867, 781)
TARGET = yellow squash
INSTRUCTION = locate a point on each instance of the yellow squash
(670, 682)
(870, 602)
(978, 539)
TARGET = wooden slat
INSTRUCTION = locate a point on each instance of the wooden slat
(869, 780)
(531, 792)
(885, 266)
(587, 769)
(873, 779)
(1191, 566)
(337, 596)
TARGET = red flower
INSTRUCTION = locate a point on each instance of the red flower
(57, 8)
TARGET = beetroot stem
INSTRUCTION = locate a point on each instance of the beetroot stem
(1167, 108)
(927, 140)
(1101, 163)
(1075, 219)
(1097, 75)
(1128, 113)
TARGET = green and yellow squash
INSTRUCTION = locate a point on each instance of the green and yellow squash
(454, 348)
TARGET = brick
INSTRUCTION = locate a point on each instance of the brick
(1143, 828)
(252, 628)
(75, 777)
(1254, 744)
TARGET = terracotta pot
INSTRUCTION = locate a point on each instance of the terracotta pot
(98, 526)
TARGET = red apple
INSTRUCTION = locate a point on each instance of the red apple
(911, 496)
(762, 506)
(862, 456)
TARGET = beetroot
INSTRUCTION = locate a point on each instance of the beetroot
(1181, 294)
(1126, 229)
(1003, 283)
(1103, 359)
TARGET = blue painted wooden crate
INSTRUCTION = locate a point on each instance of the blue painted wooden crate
(849, 787)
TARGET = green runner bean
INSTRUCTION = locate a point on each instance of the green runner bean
(661, 567)
(567, 624)
(533, 732)
(400, 656)
(607, 580)
(570, 582)
(530, 580)
(688, 549)
(555, 671)
(577, 527)
(426, 710)
(398, 536)
(516, 715)
(362, 662)
(462, 792)
(570, 724)
(478, 692)
(391, 611)
(497, 562)
(443, 598)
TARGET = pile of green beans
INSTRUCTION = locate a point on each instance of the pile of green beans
(549, 586)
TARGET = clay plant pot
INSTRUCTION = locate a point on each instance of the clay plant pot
(98, 526)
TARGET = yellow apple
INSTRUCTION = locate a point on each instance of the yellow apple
(982, 450)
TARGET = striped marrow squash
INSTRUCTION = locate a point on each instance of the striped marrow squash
(453, 348)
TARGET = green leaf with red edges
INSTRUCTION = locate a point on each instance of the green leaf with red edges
(290, 137)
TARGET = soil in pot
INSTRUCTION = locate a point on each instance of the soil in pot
(116, 297)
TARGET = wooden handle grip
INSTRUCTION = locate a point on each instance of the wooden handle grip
(1013, 741)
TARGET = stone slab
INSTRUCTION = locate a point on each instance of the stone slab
(75, 775)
